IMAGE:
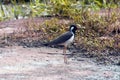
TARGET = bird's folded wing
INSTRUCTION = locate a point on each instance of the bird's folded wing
(61, 39)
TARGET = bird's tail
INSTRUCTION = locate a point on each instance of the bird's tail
(49, 43)
(45, 44)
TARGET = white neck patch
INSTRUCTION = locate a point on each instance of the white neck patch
(72, 28)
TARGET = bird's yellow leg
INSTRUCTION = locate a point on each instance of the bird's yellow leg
(65, 57)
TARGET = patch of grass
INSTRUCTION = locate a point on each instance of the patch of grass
(52, 28)
(96, 27)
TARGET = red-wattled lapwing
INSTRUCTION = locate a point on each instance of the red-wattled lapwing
(64, 39)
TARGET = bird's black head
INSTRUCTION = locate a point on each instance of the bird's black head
(73, 28)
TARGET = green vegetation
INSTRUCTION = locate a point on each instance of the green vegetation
(63, 8)
(100, 18)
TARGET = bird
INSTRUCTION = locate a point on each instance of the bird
(64, 39)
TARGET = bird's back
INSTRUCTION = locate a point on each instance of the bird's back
(61, 39)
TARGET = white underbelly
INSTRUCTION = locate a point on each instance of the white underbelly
(69, 41)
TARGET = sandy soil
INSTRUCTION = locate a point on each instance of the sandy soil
(18, 63)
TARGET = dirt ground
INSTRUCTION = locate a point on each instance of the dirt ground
(46, 63)
(18, 63)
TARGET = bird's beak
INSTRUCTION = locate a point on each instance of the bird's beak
(80, 27)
